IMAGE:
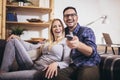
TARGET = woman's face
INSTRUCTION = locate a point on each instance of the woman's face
(57, 29)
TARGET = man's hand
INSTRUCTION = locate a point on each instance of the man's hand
(74, 43)
(51, 70)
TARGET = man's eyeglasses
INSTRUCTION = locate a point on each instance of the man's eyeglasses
(72, 15)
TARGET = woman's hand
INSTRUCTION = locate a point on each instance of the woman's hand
(51, 70)
(13, 36)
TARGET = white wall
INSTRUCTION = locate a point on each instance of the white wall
(90, 10)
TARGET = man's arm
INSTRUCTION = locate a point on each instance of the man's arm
(76, 44)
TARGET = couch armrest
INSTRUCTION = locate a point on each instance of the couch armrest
(110, 67)
(2, 48)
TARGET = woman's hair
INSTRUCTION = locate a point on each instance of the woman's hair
(52, 37)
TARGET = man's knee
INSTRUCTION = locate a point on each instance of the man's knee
(62, 75)
(88, 73)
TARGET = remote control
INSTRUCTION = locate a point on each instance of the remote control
(69, 37)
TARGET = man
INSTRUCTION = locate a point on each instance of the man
(84, 55)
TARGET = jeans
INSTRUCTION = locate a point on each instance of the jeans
(17, 49)
(74, 73)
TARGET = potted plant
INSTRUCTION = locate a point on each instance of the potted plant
(17, 30)
(21, 2)
(27, 3)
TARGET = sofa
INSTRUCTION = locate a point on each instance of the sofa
(109, 66)
(2, 47)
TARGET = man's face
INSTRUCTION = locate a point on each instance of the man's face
(70, 18)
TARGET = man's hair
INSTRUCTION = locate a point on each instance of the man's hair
(69, 7)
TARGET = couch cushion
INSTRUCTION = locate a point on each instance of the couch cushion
(34, 54)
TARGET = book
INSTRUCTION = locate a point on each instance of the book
(11, 16)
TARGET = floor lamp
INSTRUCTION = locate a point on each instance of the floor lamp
(104, 17)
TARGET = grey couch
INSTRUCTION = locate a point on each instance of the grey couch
(109, 66)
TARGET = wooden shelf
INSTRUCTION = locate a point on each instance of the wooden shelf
(42, 10)
(37, 24)
(37, 10)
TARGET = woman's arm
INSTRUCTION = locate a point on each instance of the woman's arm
(51, 70)
(13, 36)
(28, 46)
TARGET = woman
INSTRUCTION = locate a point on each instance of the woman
(50, 60)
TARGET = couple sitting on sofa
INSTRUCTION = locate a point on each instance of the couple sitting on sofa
(60, 59)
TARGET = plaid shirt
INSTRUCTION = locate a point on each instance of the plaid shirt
(85, 35)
